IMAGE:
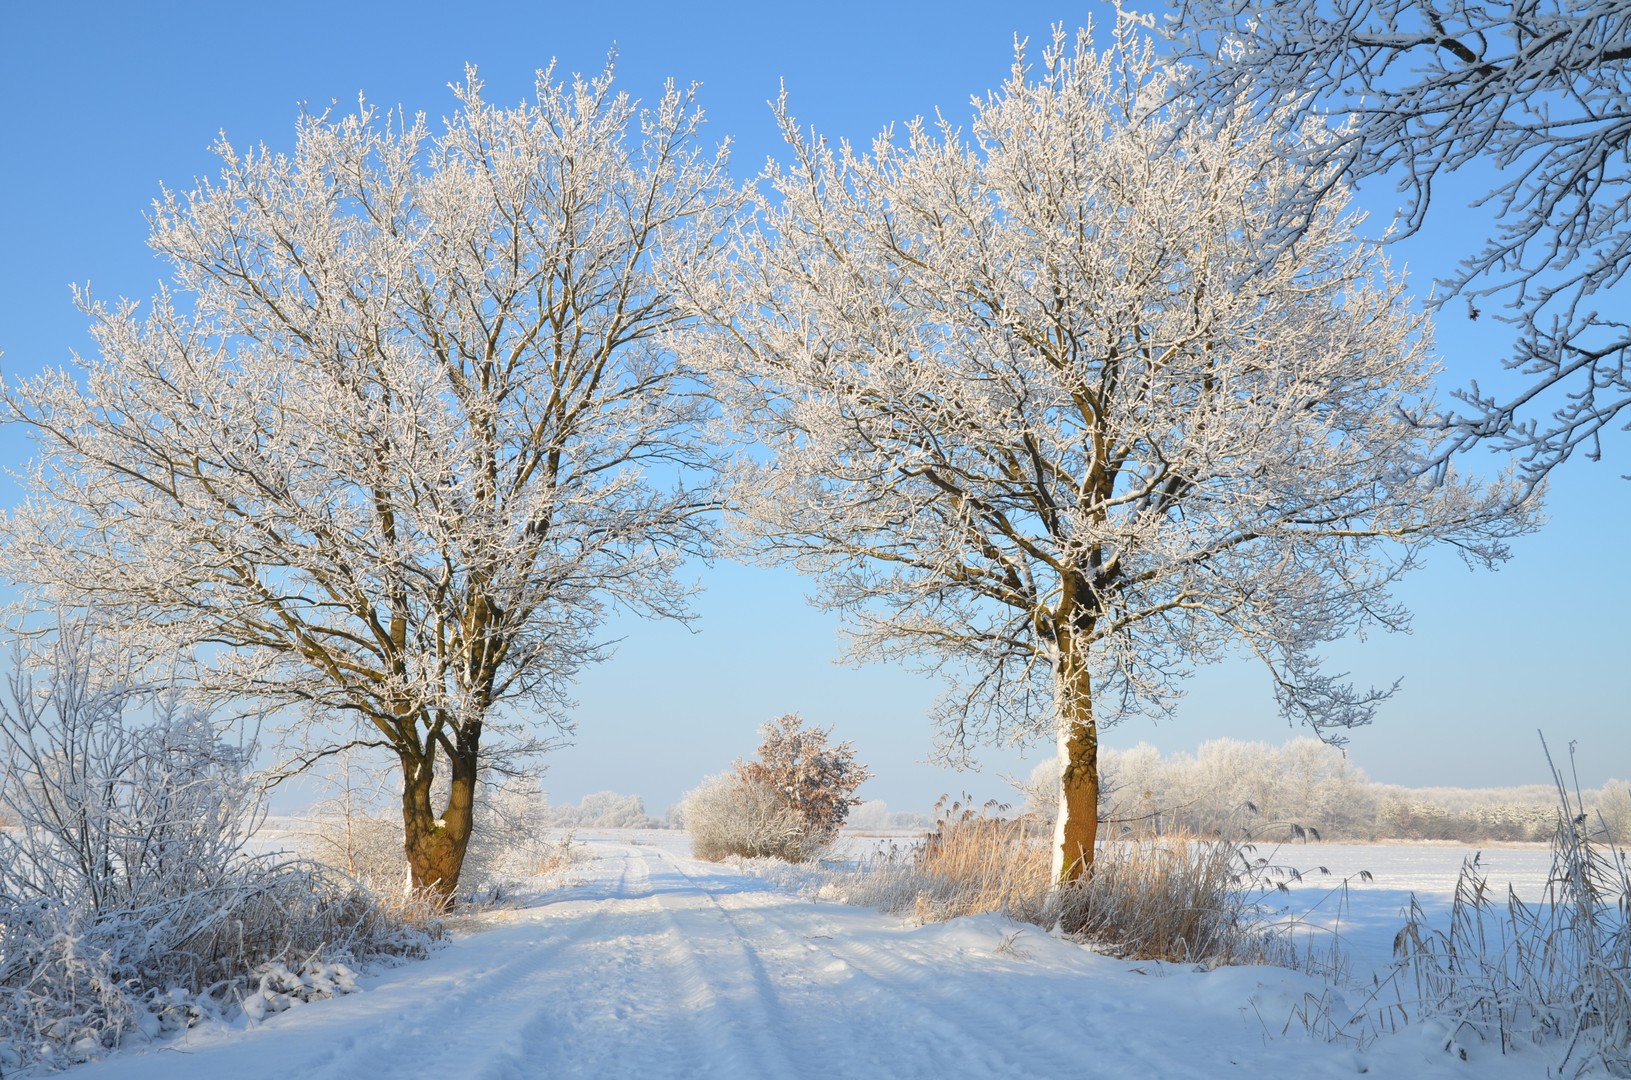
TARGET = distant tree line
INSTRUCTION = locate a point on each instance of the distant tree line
(1229, 783)
(605, 810)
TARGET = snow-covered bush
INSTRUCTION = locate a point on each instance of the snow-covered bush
(731, 814)
(128, 904)
(813, 779)
(788, 803)
(277, 988)
(113, 817)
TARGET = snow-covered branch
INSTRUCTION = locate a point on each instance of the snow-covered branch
(1540, 93)
(1039, 407)
(404, 425)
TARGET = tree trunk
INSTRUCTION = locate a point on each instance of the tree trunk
(1078, 822)
(435, 843)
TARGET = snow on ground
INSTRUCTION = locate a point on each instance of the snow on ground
(654, 965)
(1362, 915)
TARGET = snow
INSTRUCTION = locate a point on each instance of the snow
(653, 964)
(1362, 916)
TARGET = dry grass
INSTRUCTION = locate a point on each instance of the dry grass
(977, 861)
(974, 861)
(76, 982)
(1168, 897)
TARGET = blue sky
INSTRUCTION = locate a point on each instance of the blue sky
(104, 102)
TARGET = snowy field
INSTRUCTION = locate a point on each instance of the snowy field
(1362, 916)
(650, 964)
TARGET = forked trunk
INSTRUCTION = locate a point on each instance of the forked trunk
(435, 842)
(1078, 822)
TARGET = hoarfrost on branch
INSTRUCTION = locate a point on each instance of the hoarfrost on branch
(1040, 414)
(1538, 91)
(401, 428)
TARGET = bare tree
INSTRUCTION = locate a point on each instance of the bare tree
(1039, 414)
(402, 428)
(1537, 89)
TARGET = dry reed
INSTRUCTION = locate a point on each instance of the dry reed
(1167, 897)
(1170, 897)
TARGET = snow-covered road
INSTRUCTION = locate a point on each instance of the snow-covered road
(655, 966)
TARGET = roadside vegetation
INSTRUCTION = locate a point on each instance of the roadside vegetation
(1494, 970)
(514, 840)
(1169, 896)
(1057, 419)
(131, 902)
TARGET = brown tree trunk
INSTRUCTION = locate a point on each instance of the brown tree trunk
(435, 842)
(1078, 822)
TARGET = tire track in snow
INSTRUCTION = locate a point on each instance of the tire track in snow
(875, 993)
(466, 1024)
(780, 993)
(908, 1003)
(867, 1010)
(937, 1037)
(931, 982)
(682, 1011)
(598, 983)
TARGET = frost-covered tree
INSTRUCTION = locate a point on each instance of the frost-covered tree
(401, 428)
(1037, 412)
(1613, 805)
(1537, 90)
(604, 810)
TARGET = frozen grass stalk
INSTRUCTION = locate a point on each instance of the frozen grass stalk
(1173, 896)
(1556, 971)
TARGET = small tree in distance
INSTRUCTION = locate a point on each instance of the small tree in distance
(788, 804)
(814, 781)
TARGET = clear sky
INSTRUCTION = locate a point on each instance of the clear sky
(106, 101)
